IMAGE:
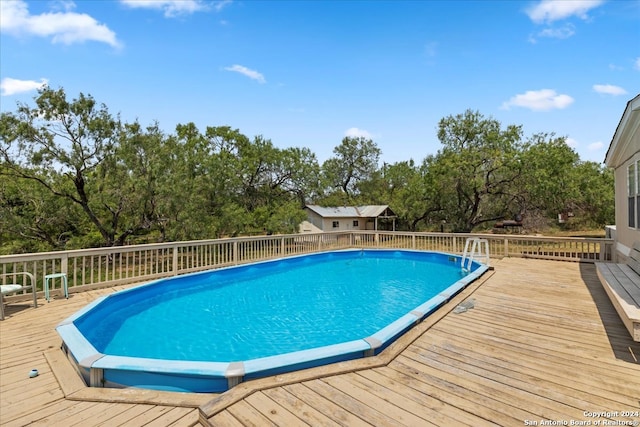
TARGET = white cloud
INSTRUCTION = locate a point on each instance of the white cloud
(219, 5)
(171, 8)
(63, 5)
(63, 27)
(571, 142)
(555, 33)
(9, 86)
(636, 64)
(539, 100)
(558, 33)
(609, 89)
(252, 74)
(358, 133)
(596, 146)
(555, 10)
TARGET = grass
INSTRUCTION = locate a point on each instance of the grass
(575, 233)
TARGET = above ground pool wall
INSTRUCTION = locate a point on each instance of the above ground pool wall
(103, 370)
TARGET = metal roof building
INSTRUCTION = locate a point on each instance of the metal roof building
(341, 218)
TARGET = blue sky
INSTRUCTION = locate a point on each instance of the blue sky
(309, 73)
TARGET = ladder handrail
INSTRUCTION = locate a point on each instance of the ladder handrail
(476, 246)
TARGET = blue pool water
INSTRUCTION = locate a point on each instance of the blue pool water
(260, 319)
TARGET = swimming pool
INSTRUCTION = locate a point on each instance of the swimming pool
(208, 331)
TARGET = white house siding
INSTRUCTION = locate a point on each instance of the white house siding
(307, 227)
(623, 152)
(315, 219)
(626, 235)
(344, 224)
(315, 223)
(322, 218)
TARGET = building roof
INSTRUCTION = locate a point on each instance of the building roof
(369, 211)
(626, 139)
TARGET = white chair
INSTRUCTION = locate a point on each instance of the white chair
(28, 282)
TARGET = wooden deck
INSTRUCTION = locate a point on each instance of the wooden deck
(542, 343)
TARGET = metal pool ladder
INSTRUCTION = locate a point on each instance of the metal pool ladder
(479, 250)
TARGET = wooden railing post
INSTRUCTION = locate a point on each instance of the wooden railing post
(610, 249)
(64, 263)
(506, 247)
(175, 259)
(234, 255)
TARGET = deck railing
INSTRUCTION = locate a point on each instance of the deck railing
(101, 267)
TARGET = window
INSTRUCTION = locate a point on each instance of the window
(633, 195)
(336, 224)
(355, 222)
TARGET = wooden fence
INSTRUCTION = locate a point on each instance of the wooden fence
(102, 267)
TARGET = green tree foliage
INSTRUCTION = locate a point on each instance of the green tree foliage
(34, 219)
(256, 179)
(479, 163)
(59, 144)
(355, 161)
(555, 181)
(594, 203)
(547, 182)
(407, 189)
(72, 175)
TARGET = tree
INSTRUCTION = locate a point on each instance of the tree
(405, 187)
(245, 182)
(75, 176)
(206, 183)
(119, 175)
(298, 173)
(595, 203)
(133, 182)
(477, 165)
(355, 160)
(32, 219)
(547, 182)
(69, 138)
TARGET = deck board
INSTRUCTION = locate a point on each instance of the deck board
(344, 398)
(125, 416)
(249, 416)
(440, 413)
(301, 409)
(335, 413)
(460, 393)
(25, 336)
(542, 342)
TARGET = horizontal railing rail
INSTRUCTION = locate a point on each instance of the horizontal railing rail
(101, 267)
(542, 247)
